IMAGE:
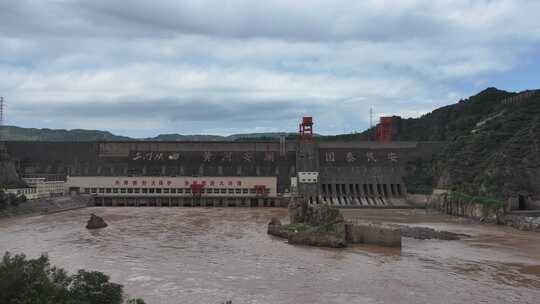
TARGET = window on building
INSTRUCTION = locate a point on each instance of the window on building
(108, 190)
(115, 190)
(130, 190)
(151, 190)
(252, 191)
(245, 191)
(188, 190)
(231, 191)
(238, 191)
(137, 190)
(101, 190)
(223, 191)
(158, 190)
(144, 190)
(123, 190)
(166, 191)
(180, 191)
(173, 190)
(94, 190)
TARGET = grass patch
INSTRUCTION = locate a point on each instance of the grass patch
(297, 227)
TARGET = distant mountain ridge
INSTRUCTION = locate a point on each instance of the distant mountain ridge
(32, 134)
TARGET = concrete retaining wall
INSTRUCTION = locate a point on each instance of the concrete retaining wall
(522, 220)
(465, 209)
(373, 234)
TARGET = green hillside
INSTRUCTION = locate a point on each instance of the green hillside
(492, 150)
(496, 153)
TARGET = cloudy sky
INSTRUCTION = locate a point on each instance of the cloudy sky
(222, 67)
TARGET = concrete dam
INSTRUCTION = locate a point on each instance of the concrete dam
(250, 173)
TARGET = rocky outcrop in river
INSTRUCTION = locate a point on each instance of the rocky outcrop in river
(324, 226)
(276, 228)
(95, 222)
(320, 225)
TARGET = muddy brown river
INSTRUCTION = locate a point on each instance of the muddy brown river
(184, 255)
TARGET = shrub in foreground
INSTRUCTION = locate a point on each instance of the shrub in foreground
(26, 281)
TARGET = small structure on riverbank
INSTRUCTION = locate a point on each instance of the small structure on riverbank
(324, 226)
(96, 222)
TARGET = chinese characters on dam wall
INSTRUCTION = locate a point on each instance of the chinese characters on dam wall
(360, 157)
(329, 157)
(204, 156)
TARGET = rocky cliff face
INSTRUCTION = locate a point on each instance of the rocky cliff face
(499, 155)
(8, 175)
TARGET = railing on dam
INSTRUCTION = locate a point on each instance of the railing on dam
(103, 201)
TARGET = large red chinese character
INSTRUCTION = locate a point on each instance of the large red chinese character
(117, 183)
(153, 183)
(211, 183)
(144, 183)
(169, 183)
(186, 183)
(126, 182)
(134, 183)
(239, 183)
(161, 183)
(229, 183)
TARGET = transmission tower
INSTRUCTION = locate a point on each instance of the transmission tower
(371, 117)
(1, 118)
(3, 152)
(1, 111)
(370, 131)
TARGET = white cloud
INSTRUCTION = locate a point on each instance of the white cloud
(331, 58)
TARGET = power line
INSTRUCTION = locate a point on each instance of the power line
(2, 118)
(3, 152)
(371, 117)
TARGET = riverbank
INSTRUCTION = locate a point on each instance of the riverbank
(486, 210)
(45, 206)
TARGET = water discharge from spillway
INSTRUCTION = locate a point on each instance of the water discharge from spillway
(183, 255)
